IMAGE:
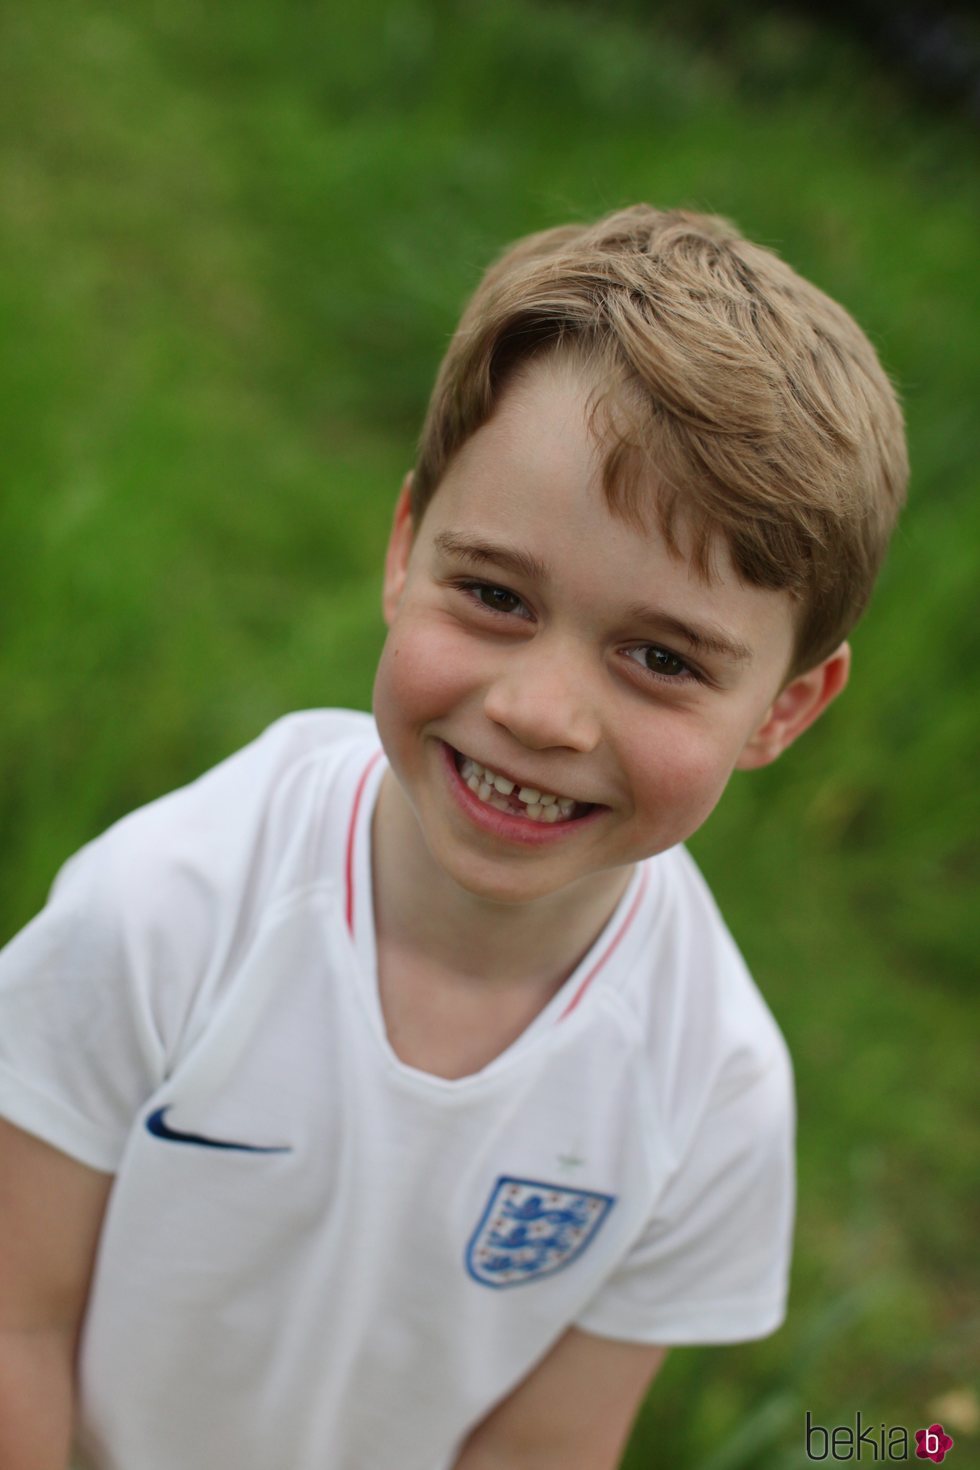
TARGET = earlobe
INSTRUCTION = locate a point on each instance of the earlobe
(796, 708)
(399, 550)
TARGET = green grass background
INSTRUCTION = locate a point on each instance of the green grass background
(233, 242)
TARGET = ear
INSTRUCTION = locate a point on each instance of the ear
(803, 700)
(399, 550)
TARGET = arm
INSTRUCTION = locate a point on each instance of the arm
(51, 1210)
(574, 1410)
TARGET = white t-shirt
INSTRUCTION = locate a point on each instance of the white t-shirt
(315, 1255)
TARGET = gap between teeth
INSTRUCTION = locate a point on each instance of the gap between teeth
(540, 806)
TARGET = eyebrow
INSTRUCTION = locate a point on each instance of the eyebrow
(705, 638)
(482, 552)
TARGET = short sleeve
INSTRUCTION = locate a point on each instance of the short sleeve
(712, 1264)
(80, 1046)
(113, 982)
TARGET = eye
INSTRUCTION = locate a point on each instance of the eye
(493, 598)
(498, 598)
(662, 663)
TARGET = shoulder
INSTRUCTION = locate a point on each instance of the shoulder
(232, 813)
(172, 893)
(149, 925)
(714, 1096)
(691, 1003)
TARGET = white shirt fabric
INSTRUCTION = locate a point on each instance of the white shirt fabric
(315, 1255)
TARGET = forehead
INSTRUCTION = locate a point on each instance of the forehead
(530, 482)
(569, 416)
(540, 464)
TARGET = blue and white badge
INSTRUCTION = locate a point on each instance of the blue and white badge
(530, 1229)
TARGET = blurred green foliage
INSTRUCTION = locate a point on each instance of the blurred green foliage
(232, 247)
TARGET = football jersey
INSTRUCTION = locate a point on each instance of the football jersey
(314, 1254)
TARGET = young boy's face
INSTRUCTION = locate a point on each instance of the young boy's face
(539, 636)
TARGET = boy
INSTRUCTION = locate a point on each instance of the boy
(393, 1096)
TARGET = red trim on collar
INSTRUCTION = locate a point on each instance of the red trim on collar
(349, 867)
(607, 953)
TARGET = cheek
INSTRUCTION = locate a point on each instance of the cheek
(421, 675)
(679, 769)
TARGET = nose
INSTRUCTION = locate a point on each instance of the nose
(542, 697)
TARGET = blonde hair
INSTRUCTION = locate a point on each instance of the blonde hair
(736, 399)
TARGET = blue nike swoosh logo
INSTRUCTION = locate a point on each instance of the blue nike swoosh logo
(157, 1125)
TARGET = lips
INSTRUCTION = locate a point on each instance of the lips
(511, 794)
(513, 825)
(507, 794)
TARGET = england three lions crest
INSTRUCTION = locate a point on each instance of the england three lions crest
(530, 1229)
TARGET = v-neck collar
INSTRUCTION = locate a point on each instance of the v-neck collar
(359, 911)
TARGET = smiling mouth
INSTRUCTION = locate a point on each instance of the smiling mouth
(525, 801)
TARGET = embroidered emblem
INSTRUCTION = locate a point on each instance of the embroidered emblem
(530, 1229)
(570, 1161)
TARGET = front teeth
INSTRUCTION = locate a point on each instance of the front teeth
(540, 806)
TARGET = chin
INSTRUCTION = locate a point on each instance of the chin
(510, 890)
(512, 882)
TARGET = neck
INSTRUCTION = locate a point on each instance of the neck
(420, 910)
